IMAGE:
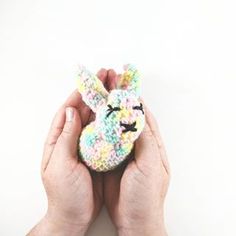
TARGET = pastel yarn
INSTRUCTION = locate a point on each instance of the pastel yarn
(106, 142)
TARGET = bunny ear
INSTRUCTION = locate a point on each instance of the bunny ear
(91, 88)
(130, 80)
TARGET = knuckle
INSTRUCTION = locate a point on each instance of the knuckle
(49, 142)
(53, 136)
(56, 130)
(147, 134)
(67, 130)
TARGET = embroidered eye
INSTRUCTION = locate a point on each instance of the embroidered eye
(140, 107)
(111, 109)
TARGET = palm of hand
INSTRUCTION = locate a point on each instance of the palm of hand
(134, 193)
(74, 192)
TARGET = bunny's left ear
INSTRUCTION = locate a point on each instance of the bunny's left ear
(130, 80)
(91, 88)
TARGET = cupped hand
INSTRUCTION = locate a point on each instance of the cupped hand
(74, 193)
(134, 193)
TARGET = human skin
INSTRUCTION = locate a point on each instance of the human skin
(134, 193)
(74, 193)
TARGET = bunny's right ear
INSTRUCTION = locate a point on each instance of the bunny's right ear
(130, 80)
(91, 88)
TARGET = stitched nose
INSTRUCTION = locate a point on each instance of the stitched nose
(129, 127)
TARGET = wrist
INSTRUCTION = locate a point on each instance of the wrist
(143, 231)
(57, 225)
(157, 229)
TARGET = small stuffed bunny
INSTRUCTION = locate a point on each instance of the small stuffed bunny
(107, 141)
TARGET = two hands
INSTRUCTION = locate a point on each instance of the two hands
(134, 193)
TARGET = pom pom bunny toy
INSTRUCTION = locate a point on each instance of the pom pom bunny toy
(107, 141)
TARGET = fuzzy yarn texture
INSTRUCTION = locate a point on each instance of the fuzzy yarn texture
(106, 142)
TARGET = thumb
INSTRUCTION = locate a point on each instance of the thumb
(71, 131)
(147, 152)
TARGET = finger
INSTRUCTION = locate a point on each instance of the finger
(146, 148)
(67, 141)
(111, 80)
(153, 124)
(118, 80)
(154, 128)
(54, 132)
(98, 187)
(102, 75)
(75, 100)
(112, 181)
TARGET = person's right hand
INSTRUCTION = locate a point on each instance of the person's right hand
(134, 193)
(75, 194)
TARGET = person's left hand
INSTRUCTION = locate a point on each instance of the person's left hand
(74, 192)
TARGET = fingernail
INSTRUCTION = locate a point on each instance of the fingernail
(69, 114)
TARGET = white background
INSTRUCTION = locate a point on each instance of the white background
(186, 52)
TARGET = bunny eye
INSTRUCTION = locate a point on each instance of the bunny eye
(111, 109)
(140, 107)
